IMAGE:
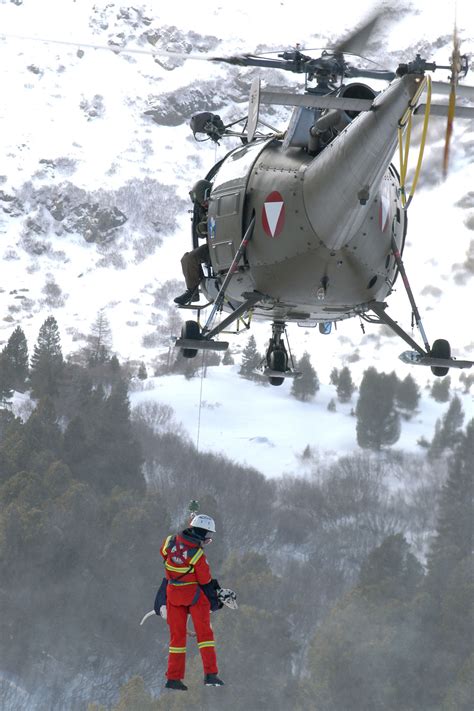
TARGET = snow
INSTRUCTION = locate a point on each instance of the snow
(41, 119)
(267, 428)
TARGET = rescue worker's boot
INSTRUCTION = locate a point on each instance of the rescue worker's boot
(176, 684)
(188, 296)
(212, 680)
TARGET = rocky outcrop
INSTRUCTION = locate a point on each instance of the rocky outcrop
(94, 223)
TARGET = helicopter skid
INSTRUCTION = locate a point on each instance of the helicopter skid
(196, 306)
(414, 358)
(269, 373)
(201, 345)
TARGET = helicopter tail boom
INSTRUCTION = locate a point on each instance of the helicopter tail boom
(356, 162)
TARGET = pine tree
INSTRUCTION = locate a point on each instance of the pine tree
(100, 340)
(448, 619)
(75, 445)
(440, 389)
(15, 356)
(228, 358)
(307, 452)
(467, 381)
(6, 390)
(391, 570)
(334, 377)
(47, 362)
(306, 387)
(345, 385)
(408, 394)
(454, 529)
(42, 431)
(378, 423)
(142, 373)
(447, 429)
(119, 459)
(251, 360)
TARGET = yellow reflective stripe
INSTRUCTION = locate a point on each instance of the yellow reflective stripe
(177, 650)
(165, 545)
(174, 569)
(196, 557)
(206, 644)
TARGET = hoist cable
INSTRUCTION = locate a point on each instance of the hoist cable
(200, 402)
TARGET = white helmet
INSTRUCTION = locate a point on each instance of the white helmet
(203, 521)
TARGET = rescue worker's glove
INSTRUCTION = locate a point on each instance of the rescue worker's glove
(210, 591)
(163, 612)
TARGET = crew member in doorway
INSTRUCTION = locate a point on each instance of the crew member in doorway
(190, 590)
(191, 261)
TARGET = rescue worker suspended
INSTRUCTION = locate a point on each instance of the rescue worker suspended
(189, 589)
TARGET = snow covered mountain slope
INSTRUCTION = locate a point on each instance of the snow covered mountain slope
(98, 159)
(266, 428)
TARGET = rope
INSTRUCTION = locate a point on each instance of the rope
(404, 151)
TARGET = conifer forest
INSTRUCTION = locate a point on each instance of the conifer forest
(354, 583)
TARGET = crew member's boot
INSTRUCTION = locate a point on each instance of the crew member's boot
(176, 684)
(190, 295)
(212, 680)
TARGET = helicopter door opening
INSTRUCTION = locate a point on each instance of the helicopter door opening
(226, 206)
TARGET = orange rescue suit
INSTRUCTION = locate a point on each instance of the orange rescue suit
(186, 570)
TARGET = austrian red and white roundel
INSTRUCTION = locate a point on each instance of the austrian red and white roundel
(273, 214)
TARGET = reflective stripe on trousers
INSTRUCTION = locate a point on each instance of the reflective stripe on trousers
(177, 620)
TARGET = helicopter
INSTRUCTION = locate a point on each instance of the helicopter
(308, 225)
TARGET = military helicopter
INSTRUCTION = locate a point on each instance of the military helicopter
(308, 225)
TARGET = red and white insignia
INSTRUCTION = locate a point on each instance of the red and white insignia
(273, 214)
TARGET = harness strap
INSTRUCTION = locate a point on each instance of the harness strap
(196, 596)
(177, 582)
(170, 541)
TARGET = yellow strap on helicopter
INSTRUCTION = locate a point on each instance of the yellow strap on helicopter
(241, 320)
(407, 121)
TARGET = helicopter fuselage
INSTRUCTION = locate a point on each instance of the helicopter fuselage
(325, 225)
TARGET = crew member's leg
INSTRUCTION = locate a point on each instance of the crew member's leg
(177, 617)
(200, 612)
(192, 272)
(191, 265)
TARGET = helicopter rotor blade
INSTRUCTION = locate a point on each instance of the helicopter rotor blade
(456, 65)
(357, 41)
(386, 75)
(116, 49)
(314, 100)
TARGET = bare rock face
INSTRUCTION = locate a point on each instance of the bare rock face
(10, 204)
(94, 223)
